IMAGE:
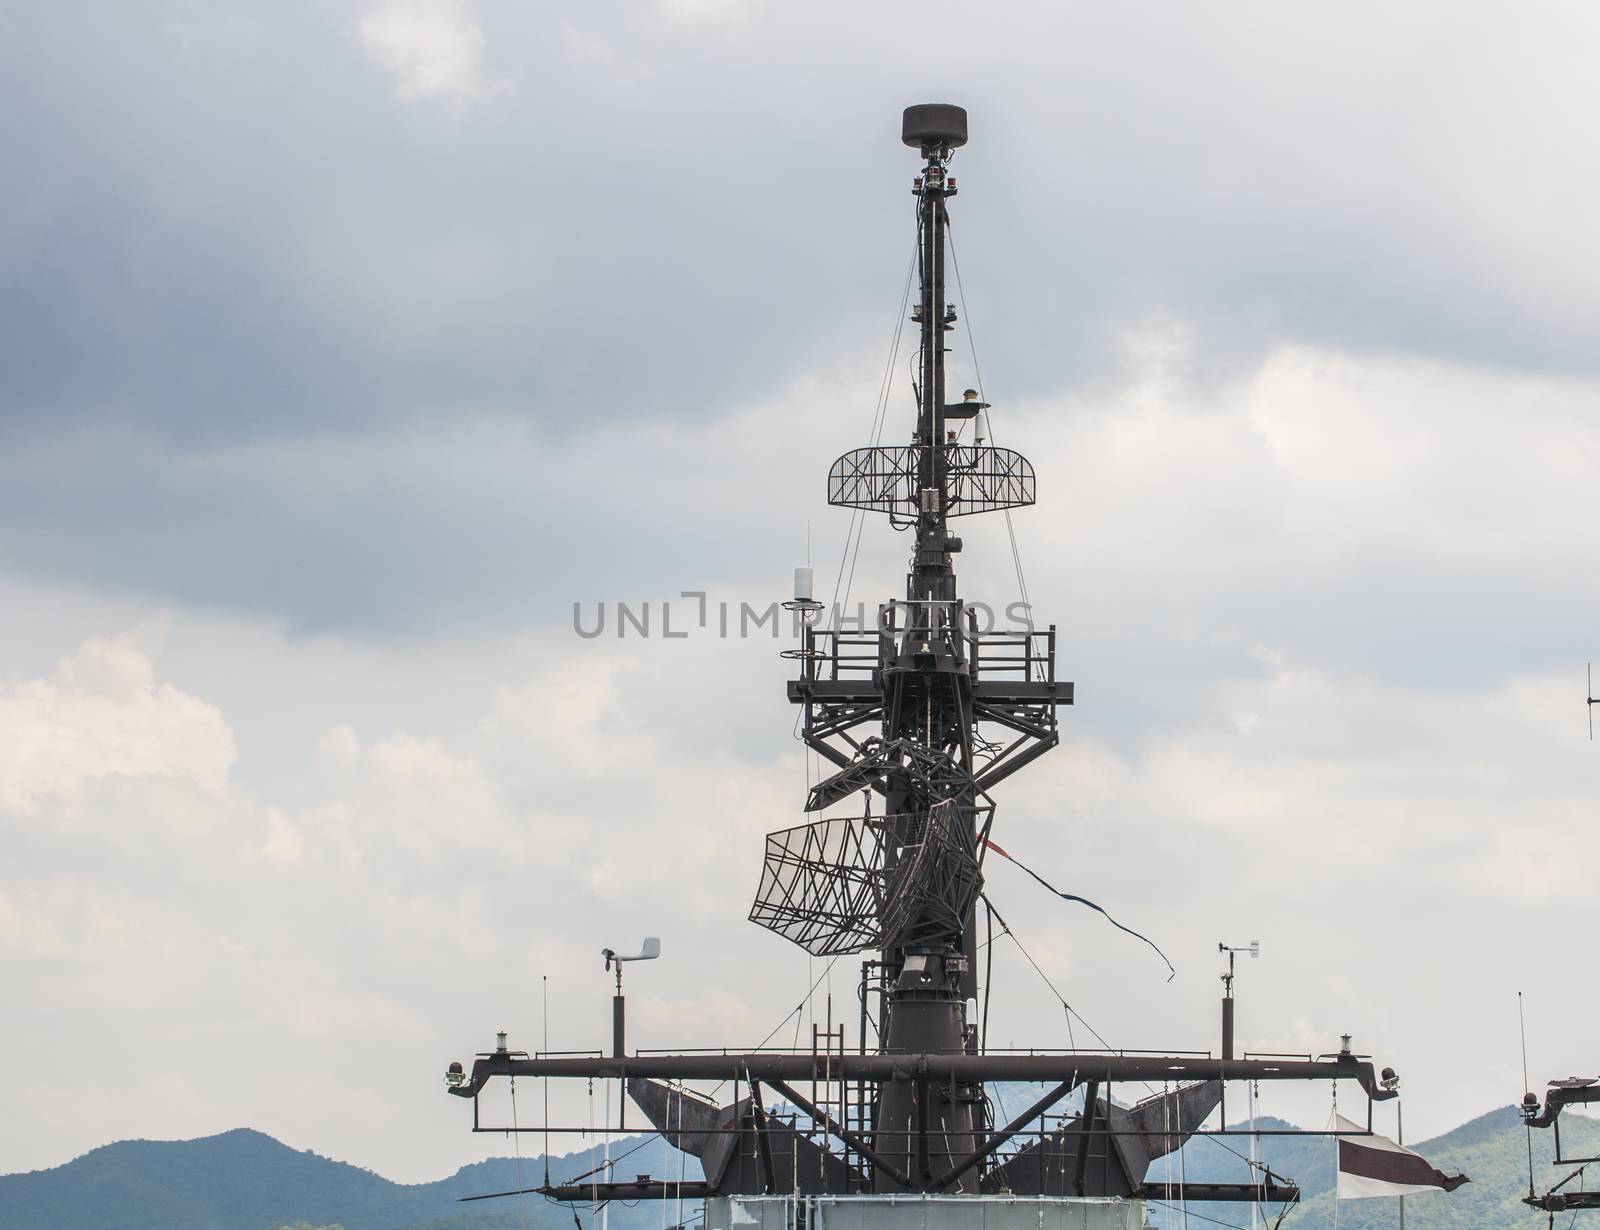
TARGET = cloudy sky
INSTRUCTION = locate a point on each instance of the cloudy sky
(346, 344)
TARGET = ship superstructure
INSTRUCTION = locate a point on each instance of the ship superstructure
(1569, 1194)
(919, 718)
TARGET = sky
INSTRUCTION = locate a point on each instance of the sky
(347, 347)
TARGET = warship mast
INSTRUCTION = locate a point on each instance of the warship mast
(927, 698)
(926, 692)
(920, 716)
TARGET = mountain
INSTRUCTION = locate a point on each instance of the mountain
(245, 1180)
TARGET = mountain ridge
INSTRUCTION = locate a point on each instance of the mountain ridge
(244, 1179)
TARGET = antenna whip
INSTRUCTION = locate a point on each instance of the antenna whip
(1522, 1025)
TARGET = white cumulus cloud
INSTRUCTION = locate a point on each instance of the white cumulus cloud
(102, 714)
(432, 49)
(283, 843)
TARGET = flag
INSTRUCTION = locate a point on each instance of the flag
(1376, 1166)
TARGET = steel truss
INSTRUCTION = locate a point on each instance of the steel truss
(980, 479)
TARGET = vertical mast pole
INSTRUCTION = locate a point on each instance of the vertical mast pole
(931, 578)
(926, 700)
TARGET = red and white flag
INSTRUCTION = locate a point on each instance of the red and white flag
(1376, 1166)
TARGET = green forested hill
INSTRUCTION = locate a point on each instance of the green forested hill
(245, 1180)
(1491, 1150)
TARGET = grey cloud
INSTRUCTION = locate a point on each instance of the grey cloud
(238, 274)
(1173, 556)
(216, 236)
(340, 534)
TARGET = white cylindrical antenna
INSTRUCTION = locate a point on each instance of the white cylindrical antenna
(805, 607)
(980, 427)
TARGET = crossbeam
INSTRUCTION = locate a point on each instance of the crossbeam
(970, 1069)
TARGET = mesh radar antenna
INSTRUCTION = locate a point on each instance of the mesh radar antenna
(922, 716)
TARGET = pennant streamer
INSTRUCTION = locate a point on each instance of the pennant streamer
(1171, 973)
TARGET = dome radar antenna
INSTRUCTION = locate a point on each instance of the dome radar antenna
(932, 126)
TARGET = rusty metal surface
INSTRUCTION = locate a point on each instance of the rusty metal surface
(1166, 1120)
